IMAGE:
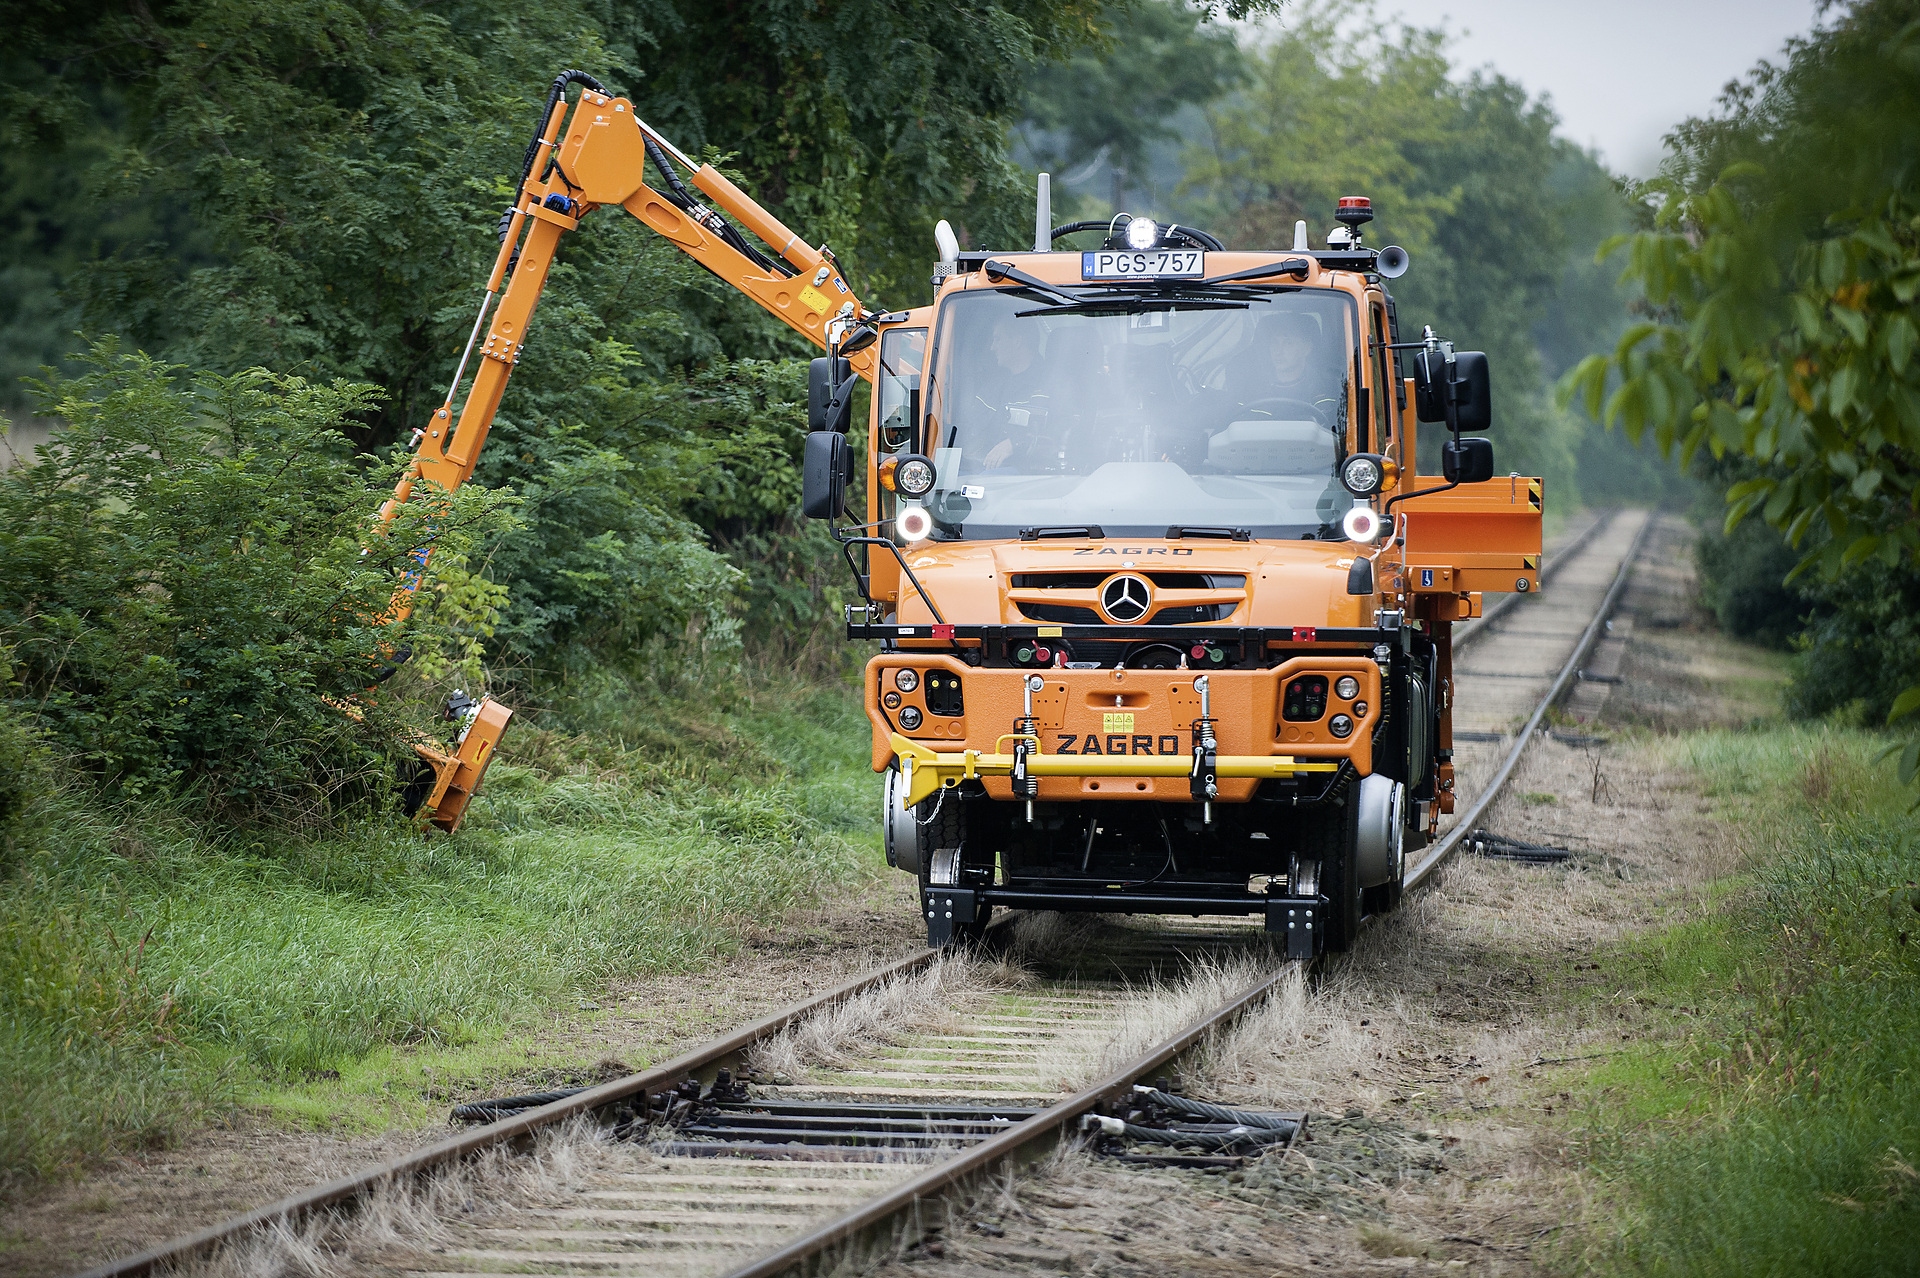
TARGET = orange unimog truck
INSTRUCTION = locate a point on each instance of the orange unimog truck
(1164, 610)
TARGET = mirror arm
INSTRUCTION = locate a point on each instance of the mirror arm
(1387, 510)
(848, 543)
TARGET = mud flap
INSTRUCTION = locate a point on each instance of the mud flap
(948, 910)
(1298, 918)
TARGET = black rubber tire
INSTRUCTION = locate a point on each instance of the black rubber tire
(1339, 877)
(946, 827)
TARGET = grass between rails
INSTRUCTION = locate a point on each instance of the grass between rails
(154, 973)
(1772, 1126)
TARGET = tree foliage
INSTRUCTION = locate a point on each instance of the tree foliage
(1117, 99)
(312, 187)
(1466, 174)
(185, 582)
(1780, 278)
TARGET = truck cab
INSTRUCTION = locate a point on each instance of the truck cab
(1163, 608)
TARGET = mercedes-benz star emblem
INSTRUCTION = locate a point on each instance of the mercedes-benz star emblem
(1126, 598)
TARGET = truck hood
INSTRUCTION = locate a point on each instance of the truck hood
(1177, 582)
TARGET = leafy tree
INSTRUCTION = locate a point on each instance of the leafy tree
(1114, 100)
(1461, 175)
(184, 582)
(1780, 277)
(312, 187)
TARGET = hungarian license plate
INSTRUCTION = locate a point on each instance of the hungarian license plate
(1125, 264)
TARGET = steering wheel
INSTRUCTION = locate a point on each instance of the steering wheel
(1313, 413)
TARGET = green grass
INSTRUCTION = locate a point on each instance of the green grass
(1774, 1128)
(151, 969)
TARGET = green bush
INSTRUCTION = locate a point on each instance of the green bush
(1785, 1128)
(1743, 580)
(184, 583)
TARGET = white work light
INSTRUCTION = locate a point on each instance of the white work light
(914, 523)
(914, 477)
(1362, 475)
(1362, 524)
(1142, 233)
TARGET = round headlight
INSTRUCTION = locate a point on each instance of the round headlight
(1361, 475)
(1142, 233)
(891, 701)
(906, 680)
(910, 718)
(913, 477)
(1361, 524)
(914, 523)
(1339, 725)
(1346, 687)
(1360, 709)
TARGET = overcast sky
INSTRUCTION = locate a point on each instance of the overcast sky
(1620, 73)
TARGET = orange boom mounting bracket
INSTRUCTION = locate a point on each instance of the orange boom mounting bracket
(599, 160)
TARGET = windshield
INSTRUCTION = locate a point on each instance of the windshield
(1136, 422)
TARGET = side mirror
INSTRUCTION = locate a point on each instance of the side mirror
(824, 473)
(829, 394)
(1472, 389)
(1472, 392)
(859, 339)
(1467, 461)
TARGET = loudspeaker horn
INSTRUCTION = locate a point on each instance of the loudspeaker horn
(1392, 262)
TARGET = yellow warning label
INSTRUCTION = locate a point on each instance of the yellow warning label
(1533, 494)
(1118, 722)
(1049, 632)
(1530, 562)
(815, 299)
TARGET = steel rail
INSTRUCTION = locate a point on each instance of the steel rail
(1049, 1122)
(1467, 820)
(1470, 631)
(306, 1202)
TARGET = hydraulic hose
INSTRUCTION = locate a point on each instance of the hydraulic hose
(1238, 1138)
(1214, 1113)
(554, 94)
(682, 198)
(488, 1110)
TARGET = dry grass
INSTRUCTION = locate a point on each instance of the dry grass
(1150, 1015)
(410, 1213)
(932, 999)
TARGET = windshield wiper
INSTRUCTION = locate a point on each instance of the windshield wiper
(1092, 532)
(1135, 305)
(998, 271)
(1177, 531)
(1298, 267)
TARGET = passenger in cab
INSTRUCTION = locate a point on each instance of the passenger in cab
(1018, 391)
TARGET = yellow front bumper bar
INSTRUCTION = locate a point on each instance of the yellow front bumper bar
(926, 770)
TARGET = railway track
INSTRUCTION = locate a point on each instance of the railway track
(751, 1178)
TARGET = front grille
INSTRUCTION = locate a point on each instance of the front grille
(1165, 580)
(1191, 615)
(1062, 614)
(1058, 580)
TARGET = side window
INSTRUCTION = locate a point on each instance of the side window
(903, 354)
(1382, 380)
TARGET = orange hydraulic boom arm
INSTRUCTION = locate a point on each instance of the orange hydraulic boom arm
(599, 161)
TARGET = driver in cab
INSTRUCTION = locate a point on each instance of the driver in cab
(1292, 376)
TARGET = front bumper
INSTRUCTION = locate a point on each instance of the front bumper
(1119, 733)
